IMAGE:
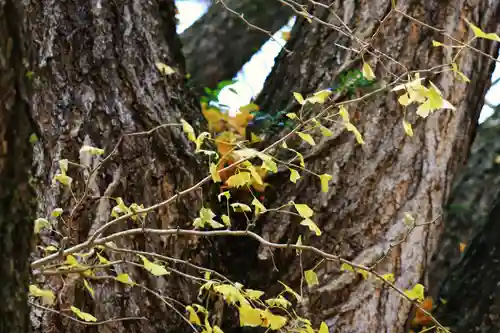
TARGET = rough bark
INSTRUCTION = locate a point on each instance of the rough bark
(96, 80)
(218, 44)
(16, 198)
(474, 194)
(374, 184)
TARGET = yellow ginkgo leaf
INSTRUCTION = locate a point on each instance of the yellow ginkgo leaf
(311, 278)
(304, 210)
(324, 179)
(312, 226)
(193, 316)
(368, 72)
(83, 315)
(307, 138)
(407, 128)
(155, 269)
(323, 328)
(46, 295)
(481, 34)
(164, 69)
(416, 293)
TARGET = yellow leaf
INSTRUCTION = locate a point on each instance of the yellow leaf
(155, 269)
(299, 98)
(240, 121)
(249, 316)
(164, 69)
(269, 165)
(299, 243)
(83, 315)
(325, 131)
(319, 97)
(274, 322)
(259, 207)
(454, 67)
(200, 139)
(188, 129)
(343, 113)
(312, 226)
(304, 210)
(462, 247)
(88, 287)
(57, 212)
(256, 176)
(253, 294)
(193, 316)
(324, 179)
(226, 220)
(239, 207)
(91, 150)
(481, 34)
(368, 72)
(307, 138)
(407, 127)
(291, 115)
(240, 179)
(291, 291)
(46, 295)
(217, 329)
(41, 223)
(279, 301)
(215, 118)
(323, 328)
(230, 293)
(294, 175)
(311, 278)
(214, 173)
(124, 278)
(346, 267)
(285, 35)
(435, 43)
(249, 108)
(389, 277)
(351, 128)
(416, 293)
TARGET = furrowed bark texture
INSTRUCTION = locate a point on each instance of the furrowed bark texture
(374, 184)
(474, 195)
(218, 44)
(96, 80)
(17, 205)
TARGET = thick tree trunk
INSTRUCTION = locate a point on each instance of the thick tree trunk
(471, 292)
(218, 44)
(375, 184)
(96, 80)
(474, 195)
(16, 198)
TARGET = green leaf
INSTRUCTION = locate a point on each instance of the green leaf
(324, 179)
(307, 138)
(155, 269)
(239, 207)
(311, 278)
(91, 150)
(299, 98)
(213, 172)
(83, 315)
(240, 179)
(312, 226)
(125, 279)
(33, 138)
(294, 175)
(46, 295)
(188, 129)
(416, 293)
(304, 210)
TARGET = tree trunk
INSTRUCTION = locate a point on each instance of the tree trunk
(96, 80)
(16, 198)
(218, 44)
(374, 184)
(474, 195)
(471, 291)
